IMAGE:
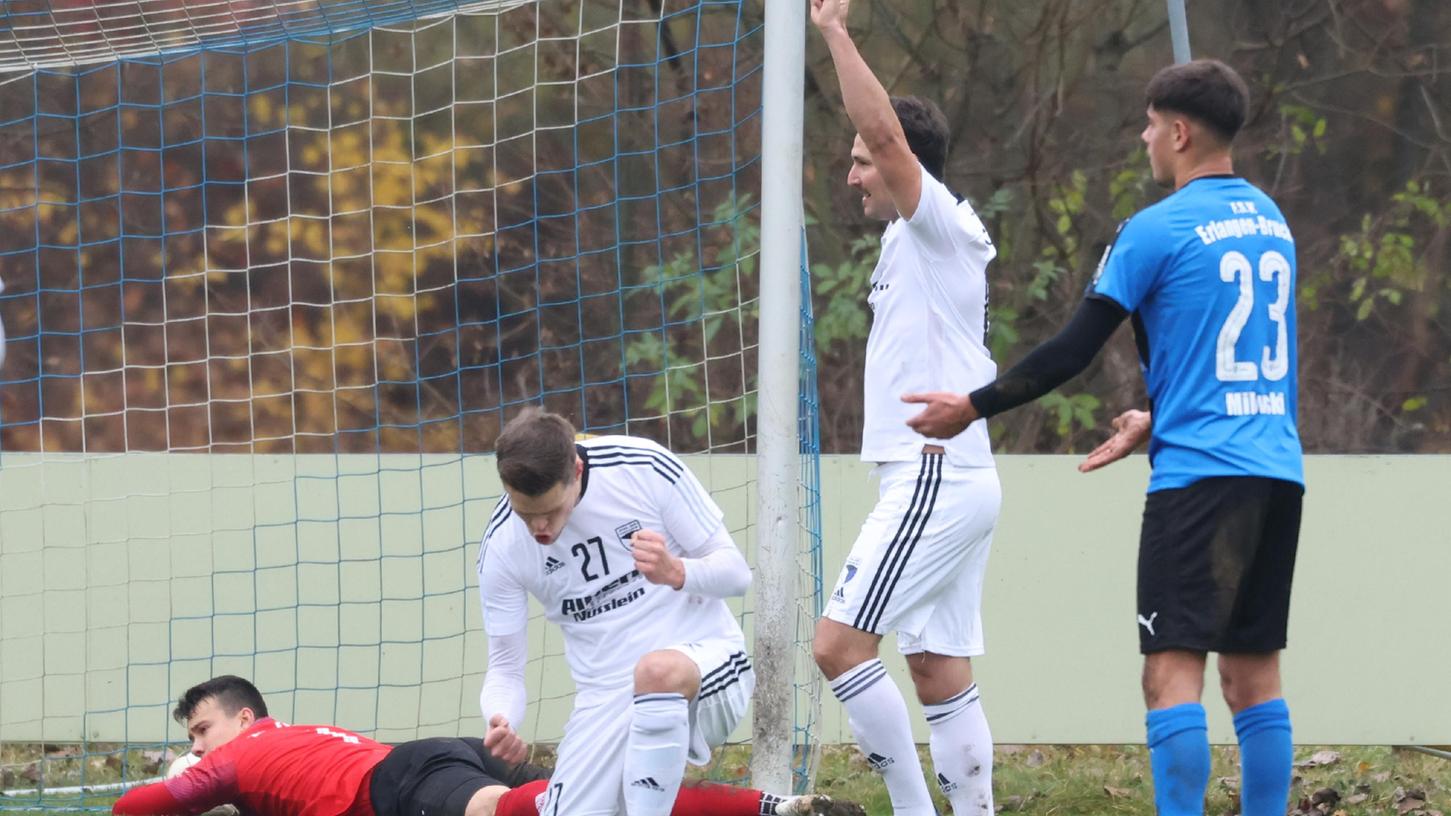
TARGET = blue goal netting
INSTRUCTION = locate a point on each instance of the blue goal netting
(275, 272)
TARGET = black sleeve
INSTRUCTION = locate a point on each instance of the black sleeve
(1054, 362)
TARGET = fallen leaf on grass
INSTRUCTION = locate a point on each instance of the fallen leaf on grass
(1318, 759)
(1117, 793)
(1408, 800)
(1381, 777)
(1035, 759)
(1356, 798)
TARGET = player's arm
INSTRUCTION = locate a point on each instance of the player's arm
(203, 787)
(711, 563)
(1055, 362)
(714, 567)
(1127, 274)
(504, 695)
(870, 108)
(1046, 367)
(147, 800)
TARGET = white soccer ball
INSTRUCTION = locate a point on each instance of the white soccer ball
(181, 764)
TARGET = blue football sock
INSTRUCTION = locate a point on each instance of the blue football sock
(1179, 758)
(1266, 757)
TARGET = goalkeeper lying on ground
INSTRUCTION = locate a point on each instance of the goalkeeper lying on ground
(270, 768)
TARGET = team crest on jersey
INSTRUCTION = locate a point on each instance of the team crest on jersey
(624, 531)
(840, 593)
(552, 565)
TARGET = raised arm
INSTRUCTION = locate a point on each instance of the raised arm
(870, 108)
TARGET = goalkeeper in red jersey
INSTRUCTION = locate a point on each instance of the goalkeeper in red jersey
(269, 768)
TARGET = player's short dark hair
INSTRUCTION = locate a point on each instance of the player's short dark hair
(926, 129)
(1206, 90)
(535, 452)
(231, 692)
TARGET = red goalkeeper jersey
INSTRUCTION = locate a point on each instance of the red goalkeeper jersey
(271, 769)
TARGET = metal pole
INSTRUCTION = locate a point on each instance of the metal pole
(778, 455)
(1422, 749)
(1179, 30)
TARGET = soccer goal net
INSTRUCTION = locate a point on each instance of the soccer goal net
(275, 274)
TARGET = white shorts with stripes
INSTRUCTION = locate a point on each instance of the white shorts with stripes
(588, 776)
(917, 566)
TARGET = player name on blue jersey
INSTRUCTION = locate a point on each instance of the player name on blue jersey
(1240, 227)
(1249, 403)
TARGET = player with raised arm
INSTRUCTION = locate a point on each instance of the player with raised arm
(918, 563)
(1208, 276)
(630, 557)
(322, 769)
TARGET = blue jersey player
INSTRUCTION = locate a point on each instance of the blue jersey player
(1208, 277)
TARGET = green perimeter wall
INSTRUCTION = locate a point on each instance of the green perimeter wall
(123, 579)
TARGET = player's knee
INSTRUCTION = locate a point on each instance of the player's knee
(939, 677)
(1236, 690)
(826, 654)
(836, 648)
(1173, 677)
(485, 801)
(667, 671)
(1247, 684)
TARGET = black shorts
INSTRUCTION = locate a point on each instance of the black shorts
(438, 776)
(1216, 560)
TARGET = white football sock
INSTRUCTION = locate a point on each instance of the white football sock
(962, 752)
(878, 717)
(655, 757)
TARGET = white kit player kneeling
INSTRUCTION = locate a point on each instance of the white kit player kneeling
(630, 557)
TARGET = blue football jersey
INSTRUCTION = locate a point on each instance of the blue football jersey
(1209, 275)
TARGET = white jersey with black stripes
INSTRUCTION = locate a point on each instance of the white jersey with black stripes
(586, 580)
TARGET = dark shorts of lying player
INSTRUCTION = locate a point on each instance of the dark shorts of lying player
(265, 767)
